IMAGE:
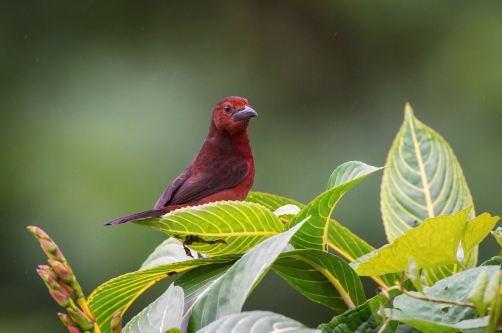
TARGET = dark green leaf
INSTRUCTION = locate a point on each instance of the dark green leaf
(322, 277)
(119, 293)
(228, 294)
(359, 319)
(195, 283)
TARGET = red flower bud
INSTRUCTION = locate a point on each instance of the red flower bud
(60, 297)
(48, 246)
(68, 290)
(67, 321)
(74, 329)
(61, 271)
(39, 233)
(116, 323)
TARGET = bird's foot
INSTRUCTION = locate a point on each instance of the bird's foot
(190, 239)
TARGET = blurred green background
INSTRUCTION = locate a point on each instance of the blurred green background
(104, 103)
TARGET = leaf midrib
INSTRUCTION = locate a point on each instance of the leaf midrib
(421, 166)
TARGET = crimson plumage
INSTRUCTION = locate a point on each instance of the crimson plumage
(222, 170)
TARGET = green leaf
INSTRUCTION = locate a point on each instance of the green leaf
(433, 243)
(321, 277)
(433, 275)
(477, 293)
(498, 235)
(440, 317)
(491, 288)
(256, 321)
(477, 229)
(241, 225)
(164, 313)
(422, 179)
(497, 260)
(430, 326)
(271, 201)
(347, 172)
(196, 282)
(314, 233)
(495, 305)
(340, 239)
(119, 293)
(167, 252)
(228, 294)
(362, 318)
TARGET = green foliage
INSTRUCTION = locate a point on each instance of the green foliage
(314, 233)
(164, 313)
(359, 319)
(427, 214)
(441, 317)
(240, 225)
(422, 179)
(322, 277)
(256, 321)
(228, 294)
(119, 293)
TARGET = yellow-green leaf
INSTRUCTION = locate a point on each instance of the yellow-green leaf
(340, 239)
(432, 244)
(498, 235)
(422, 179)
(477, 229)
(236, 226)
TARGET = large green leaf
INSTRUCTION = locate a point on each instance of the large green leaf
(195, 283)
(340, 239)
(321, 277)
(240, 225)
(433, 243)
(314, 233)
(359, 319)
(119, 293)
(164, 313)
(256, 321)
(167, 252)
(440, 317)
(422, 179)
(228, 294)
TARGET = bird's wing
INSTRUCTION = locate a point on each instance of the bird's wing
(193, 185)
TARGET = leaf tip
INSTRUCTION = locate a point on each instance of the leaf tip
(408, 111)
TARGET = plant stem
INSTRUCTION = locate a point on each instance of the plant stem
(431, 299)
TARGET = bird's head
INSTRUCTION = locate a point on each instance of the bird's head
(232, 114)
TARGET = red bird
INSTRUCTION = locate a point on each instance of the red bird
(222, 170)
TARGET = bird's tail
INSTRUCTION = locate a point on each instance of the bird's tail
(138, 216)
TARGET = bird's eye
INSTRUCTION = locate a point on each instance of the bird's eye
(227, 108)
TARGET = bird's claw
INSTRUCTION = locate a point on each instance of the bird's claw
(190, 239)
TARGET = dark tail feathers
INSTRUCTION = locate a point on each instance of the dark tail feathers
(138, 216)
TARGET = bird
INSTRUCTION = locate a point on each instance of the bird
(223, 169)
